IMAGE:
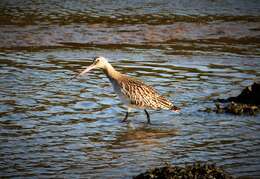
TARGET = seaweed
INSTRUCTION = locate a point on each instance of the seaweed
(247, 102)
(197, 170)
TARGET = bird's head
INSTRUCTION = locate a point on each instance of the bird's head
(98, 62)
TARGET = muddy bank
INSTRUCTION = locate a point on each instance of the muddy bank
(197, 170)
(247, 102)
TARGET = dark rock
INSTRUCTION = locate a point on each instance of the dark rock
(250, 95)
(197, 170)
(248, 102)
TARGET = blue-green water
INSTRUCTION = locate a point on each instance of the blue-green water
(192, 52)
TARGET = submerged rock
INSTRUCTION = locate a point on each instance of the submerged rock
(248, 102)
(197, 170)
(235, 108)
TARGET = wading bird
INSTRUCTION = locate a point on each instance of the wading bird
(133, 93)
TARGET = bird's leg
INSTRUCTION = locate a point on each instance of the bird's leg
(148, 117)
(126, 116)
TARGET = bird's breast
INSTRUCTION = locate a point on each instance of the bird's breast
(117, 89)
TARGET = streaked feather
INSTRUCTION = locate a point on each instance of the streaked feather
(141, 95)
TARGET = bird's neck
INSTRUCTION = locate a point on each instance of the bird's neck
(111, 72)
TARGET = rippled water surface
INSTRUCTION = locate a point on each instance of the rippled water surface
(191, 51)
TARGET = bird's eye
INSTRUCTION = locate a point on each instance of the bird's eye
(96, 60)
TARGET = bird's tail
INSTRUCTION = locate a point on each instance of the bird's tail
(175, 109)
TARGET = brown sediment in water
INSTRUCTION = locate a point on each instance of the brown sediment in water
(196, 170)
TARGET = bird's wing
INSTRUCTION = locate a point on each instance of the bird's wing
(142, 95)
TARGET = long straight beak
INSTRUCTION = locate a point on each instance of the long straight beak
(87, 70)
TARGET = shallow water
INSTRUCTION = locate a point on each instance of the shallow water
(54, 126)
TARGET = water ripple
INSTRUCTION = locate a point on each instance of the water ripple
(52, 125)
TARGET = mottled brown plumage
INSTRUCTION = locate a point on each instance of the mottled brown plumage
(132, 92)
(141, 95)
